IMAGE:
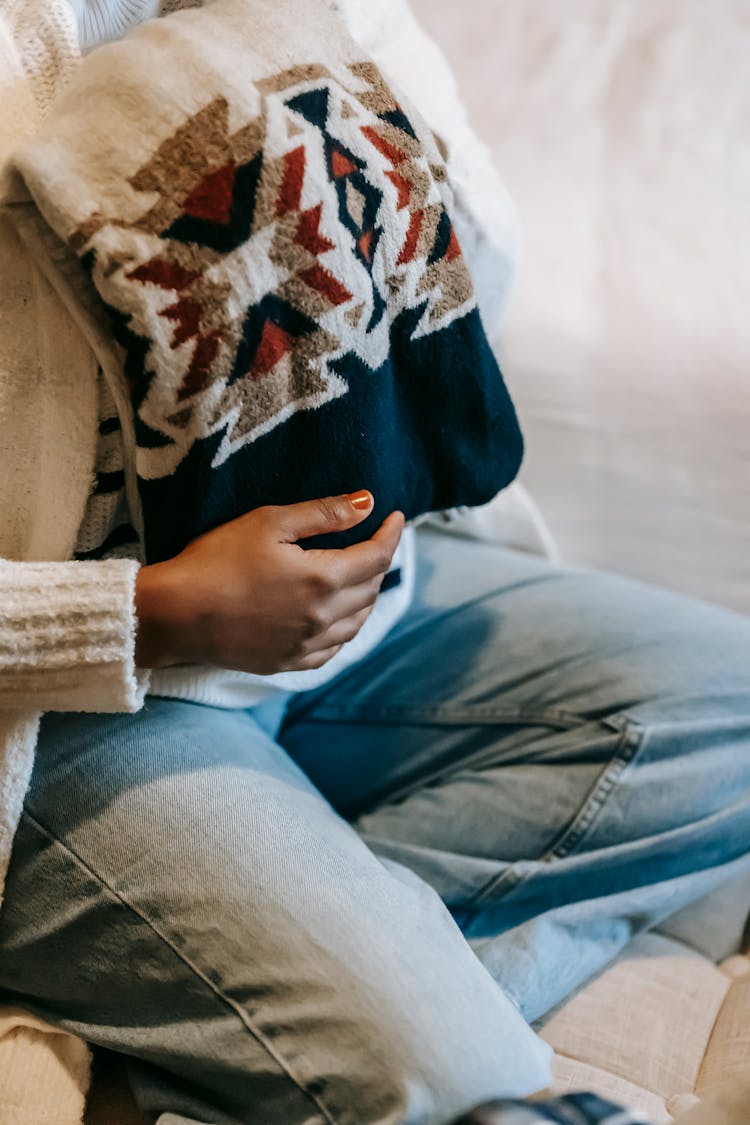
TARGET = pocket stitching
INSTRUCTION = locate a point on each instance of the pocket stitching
(631, 738)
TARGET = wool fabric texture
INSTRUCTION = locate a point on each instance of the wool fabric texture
(67, 629)
(269, 229)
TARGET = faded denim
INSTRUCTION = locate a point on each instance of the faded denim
(264, 908)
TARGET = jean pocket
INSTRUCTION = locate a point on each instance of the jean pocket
(621, 742)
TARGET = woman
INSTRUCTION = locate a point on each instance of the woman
(408, 794)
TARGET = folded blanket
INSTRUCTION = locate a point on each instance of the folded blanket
(268, 228)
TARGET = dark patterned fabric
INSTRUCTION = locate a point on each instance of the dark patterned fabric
(572, 1109)
(296, 313)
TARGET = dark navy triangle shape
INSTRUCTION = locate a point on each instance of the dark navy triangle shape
(398, 118)
(313, 106)
(442, 239)
(224, 236)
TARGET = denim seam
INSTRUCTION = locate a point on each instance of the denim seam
(629, 742)
(441, 713)
(631, 736)
(238, 1010)
(445, 716)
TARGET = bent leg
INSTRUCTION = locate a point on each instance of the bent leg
(180, 892)
(564, 755)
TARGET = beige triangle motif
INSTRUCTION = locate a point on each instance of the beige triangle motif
(292, 128)
(283, 374)
(355, 202)
(346, 110)
(354, 315)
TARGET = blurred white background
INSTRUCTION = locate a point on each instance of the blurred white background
(622, 129)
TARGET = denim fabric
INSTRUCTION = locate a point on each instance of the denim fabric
(264, 908)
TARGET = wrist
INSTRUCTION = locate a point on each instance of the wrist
(158, 618)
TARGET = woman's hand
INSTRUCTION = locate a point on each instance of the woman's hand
(246, 596)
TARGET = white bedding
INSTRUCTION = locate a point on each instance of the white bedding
(623, 131)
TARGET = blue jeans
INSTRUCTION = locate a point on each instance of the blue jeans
(342, 906)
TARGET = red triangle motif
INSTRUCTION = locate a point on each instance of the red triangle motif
(326, 284)
(403, 187)
(165, 274)
(308, 231)
(199, 373)
(290, 192)
(274, 344)
(454, 247)
(212, 199)
(187, 317)
(409, 249)
(382, 144)
(341, 165)
(364, 245)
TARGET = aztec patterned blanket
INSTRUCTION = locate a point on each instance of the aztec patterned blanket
(268, 228)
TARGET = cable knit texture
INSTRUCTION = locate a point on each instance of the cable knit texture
(67, 630)
(46, 38)
(58, 621)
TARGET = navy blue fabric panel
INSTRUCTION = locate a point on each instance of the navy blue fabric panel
(392, 580)
(417, 442)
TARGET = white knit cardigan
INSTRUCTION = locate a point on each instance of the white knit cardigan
(67, 629)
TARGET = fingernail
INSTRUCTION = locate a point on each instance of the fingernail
(360, 500)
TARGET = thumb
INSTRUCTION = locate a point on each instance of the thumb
(319, 517)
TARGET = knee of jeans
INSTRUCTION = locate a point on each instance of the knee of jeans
(413, 1028)
(398, 1067)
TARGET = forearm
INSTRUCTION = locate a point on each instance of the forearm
(67, 636)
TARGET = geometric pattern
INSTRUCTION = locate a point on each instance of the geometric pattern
(265, 253)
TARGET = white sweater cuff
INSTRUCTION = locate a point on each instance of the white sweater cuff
(67, 637)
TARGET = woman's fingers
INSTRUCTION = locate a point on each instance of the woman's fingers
(315, 660)
(318, 649)
(342, 631)
(350, 566)
(320, 517)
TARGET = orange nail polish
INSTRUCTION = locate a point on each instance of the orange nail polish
(360, 500)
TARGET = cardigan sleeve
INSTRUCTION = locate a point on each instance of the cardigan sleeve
(67, 636)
